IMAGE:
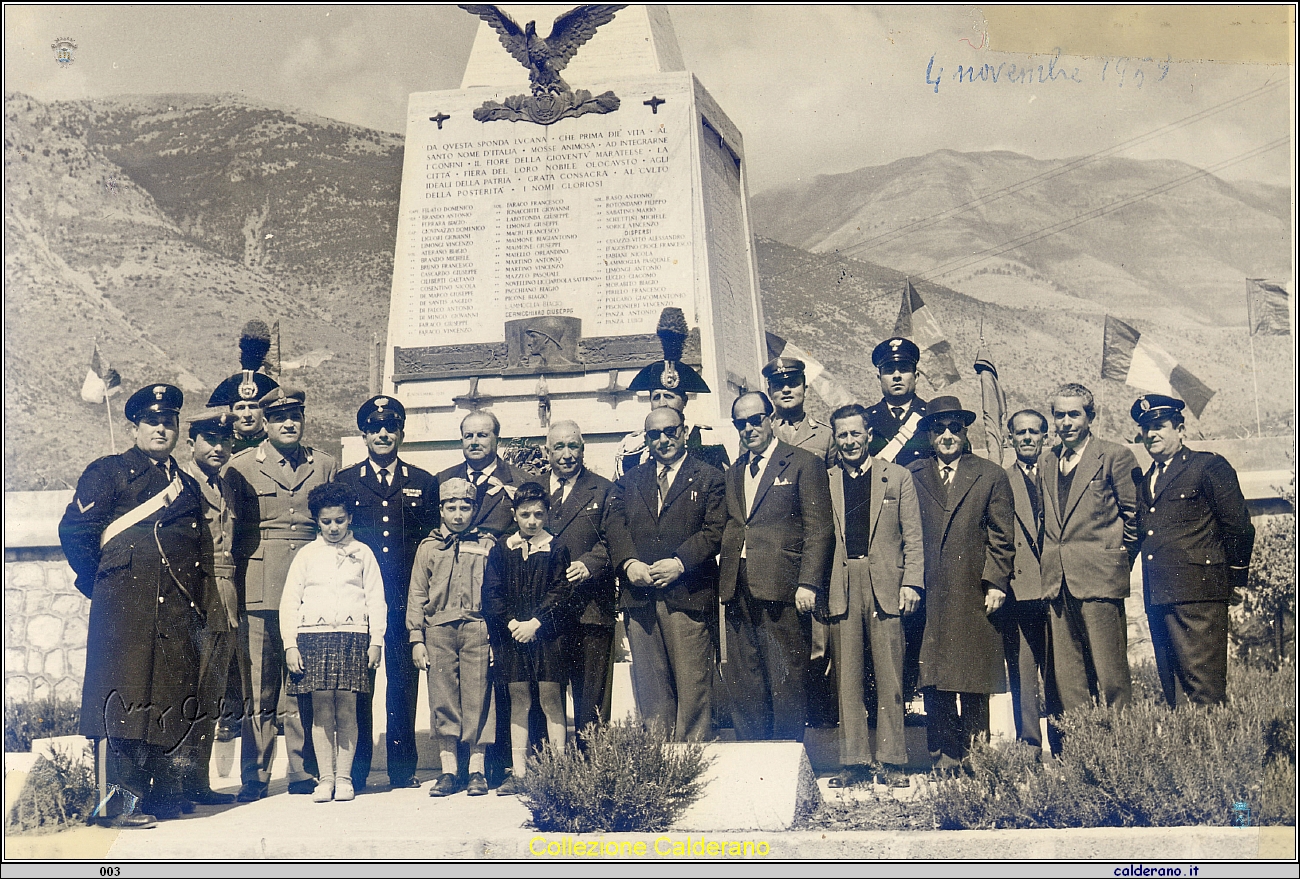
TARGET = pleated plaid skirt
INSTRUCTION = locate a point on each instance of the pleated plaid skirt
(332, 661)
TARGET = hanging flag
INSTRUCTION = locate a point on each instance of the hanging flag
(995, 407)
(819, 378)
(1142, 364)
(917, 321)
(1268, 306)
(101, 382)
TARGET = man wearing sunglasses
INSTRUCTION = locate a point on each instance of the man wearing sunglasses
(775, 552)
(967, 520)
(665, 525)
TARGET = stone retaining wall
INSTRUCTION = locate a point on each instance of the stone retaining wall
(45, 631)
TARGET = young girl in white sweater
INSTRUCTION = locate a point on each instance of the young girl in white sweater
(332, 619)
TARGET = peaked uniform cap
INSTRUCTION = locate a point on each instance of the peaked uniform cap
(379, 410)
(154, 398)
(1150, 407)
(896, 350)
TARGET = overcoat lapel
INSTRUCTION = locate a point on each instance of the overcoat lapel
(648, 487)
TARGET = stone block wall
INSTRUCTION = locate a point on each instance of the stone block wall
(45, 631)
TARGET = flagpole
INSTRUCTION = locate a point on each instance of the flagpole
(108, 410)
(1254, 377)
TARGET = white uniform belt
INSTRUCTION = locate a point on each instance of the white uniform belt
(905, 432)
(144, 511)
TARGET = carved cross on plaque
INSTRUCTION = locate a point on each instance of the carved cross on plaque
(654, 103)
(440, 118)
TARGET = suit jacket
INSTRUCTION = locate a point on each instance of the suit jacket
(578, 525)
(285, 522)
(896, 548)
(968, 542)
(1027, 581)
(496, 507)
(785, 532)
(884, 426)
(1196, 535)
(689, 529)
(142, 659)
(1092, 542)
(392, 520)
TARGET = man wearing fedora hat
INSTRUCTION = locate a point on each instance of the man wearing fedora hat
(967, 520)
(282, 471)
(396, 508)
(135, 535)
(1196, 540)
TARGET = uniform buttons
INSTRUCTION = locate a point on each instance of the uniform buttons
(194, 524)
(1149, 533)
(160, 599)
(385, 533)
(1153, 509)
(385, 503)
(291, 509)
(293, 527)
(1150, 558)
(385, 518)
(385, 549)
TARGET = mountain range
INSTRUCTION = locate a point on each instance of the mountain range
(156, 227)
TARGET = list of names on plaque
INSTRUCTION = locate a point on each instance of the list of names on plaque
(589, 218)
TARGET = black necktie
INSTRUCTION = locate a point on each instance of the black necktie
(898, 412)
(383, 477)
(1159, 475)
(946, 474)
(663, 485)
(557, 496)
(754, 459)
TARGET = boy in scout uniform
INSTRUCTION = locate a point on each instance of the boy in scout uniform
(396, 508)
(282, 471)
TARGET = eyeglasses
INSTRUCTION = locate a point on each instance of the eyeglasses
(953, 427)
(751, 421)
(654, 433)
(777, 382)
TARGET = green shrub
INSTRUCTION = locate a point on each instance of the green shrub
(59, 792)
(629, 779)
(40, 719)
(1145, 766)
(1263, 625)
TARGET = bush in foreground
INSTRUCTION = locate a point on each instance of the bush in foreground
(1146, 766)
(628, 780)
(39, 719)
(59, 791)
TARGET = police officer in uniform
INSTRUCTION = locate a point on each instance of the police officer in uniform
(136, 537)
(1196, 540)
(228, 502)
(243, 391)
(282, 471)
(397, 507)
(786, 387)
(896, 436)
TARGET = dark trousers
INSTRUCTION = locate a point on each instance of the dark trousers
(913, 634)
(672, 669)
(766, 672)
(591, 670)
(1191, 647)
(195, 752)
(1024, 640)
(1089, 650)
(947, 733)
(402, 682)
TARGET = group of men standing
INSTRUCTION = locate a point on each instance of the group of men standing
(832, 570)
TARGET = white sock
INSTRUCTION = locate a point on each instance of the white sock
(476, 760)
(520, 757)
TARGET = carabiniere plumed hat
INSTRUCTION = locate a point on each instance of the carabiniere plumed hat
(670, 374)
(249, 383)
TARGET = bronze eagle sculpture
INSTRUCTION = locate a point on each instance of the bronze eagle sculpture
(546, 57)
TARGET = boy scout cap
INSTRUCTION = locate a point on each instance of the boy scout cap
(456, 489)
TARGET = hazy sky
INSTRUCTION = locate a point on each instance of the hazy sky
(813, 89)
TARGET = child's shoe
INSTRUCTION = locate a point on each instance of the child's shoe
(324, 791)
(445, 786)
(343, 790)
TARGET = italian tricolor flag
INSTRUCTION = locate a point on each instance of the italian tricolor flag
(1127, 357)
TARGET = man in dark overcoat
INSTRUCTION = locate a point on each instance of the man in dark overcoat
(396, 508)
(967, 520)
(1196, 540)
(136, 537)
(493, 479)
